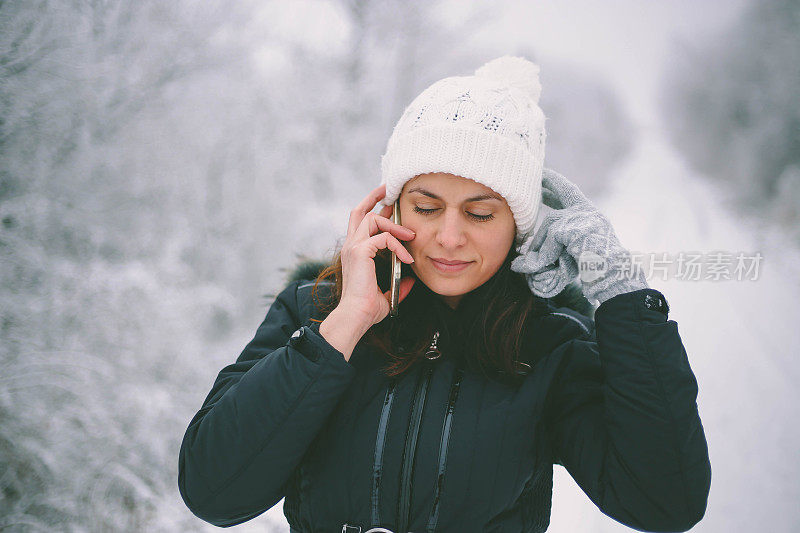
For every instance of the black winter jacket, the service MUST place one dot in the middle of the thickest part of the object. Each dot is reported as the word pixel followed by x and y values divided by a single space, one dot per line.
pixel 446 449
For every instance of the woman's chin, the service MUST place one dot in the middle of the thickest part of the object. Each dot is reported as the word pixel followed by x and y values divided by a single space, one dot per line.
pixel 446 286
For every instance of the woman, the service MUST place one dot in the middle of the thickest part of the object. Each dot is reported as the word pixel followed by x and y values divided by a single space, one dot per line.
pixel 450 416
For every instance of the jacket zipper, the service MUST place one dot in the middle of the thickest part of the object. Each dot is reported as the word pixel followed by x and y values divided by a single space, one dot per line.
pixel 407 468
pixel 443 448
pixel 380 443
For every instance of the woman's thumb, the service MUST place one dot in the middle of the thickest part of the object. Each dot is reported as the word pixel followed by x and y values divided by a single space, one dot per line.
pixel 405 287
pixel 406 284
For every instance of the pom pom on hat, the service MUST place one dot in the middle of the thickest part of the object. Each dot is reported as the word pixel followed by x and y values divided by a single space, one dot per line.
pixel 515 71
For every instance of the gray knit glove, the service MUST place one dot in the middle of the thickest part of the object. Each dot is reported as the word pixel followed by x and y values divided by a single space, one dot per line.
pixel 576 233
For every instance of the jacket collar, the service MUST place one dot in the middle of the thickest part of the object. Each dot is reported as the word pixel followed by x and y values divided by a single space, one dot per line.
pixel 467 306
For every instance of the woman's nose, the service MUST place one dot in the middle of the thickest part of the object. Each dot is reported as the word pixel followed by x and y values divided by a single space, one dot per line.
pixel 451 229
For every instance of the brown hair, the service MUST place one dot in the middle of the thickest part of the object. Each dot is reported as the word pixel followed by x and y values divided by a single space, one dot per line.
pixel 494 343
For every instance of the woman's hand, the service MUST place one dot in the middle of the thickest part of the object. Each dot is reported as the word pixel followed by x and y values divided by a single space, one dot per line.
pixel 367 233
pixel 576 233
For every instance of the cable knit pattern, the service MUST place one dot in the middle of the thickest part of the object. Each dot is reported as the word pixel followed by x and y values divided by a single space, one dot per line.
pixel 576 233
pixel 487 128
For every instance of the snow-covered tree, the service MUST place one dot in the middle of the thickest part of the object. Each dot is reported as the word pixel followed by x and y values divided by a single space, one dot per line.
pixel 730 106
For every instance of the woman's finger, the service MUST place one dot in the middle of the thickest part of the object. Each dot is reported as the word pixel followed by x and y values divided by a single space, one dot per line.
pixel 386 211
pixel 397 247
pixel 375 223
pixel 547 255
pixel 544 230
pixel 387 240
pixel 367 204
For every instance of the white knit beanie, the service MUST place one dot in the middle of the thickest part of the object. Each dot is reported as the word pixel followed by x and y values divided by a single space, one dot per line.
pixel 487 127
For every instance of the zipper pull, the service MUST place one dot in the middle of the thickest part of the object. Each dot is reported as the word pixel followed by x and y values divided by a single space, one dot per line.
pixel 433 351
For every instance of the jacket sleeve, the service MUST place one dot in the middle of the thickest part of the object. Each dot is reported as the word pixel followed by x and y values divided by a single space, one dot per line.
pixel 623 418
pixel 260 417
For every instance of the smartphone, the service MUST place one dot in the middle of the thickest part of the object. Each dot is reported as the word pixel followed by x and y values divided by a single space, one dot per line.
pixel 396 265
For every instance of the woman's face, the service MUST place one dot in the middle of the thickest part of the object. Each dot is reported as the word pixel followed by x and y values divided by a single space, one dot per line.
pixel 457 219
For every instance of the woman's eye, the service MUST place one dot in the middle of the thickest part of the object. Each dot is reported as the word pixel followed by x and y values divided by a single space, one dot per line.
pixel 481 218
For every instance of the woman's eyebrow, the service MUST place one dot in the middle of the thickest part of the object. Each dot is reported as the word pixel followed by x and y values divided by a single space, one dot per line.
pixel 487 196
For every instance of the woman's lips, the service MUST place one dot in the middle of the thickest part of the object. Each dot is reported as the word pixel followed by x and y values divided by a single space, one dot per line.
pixel 442 267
